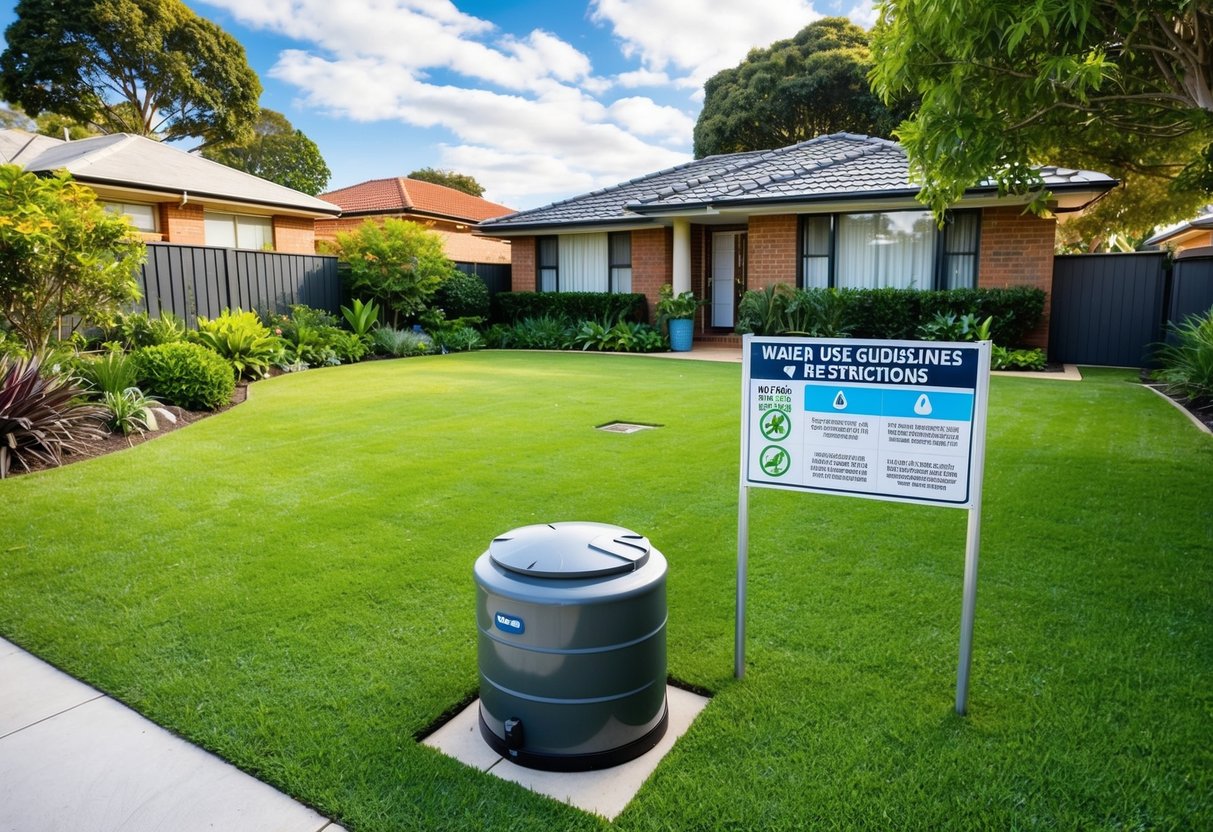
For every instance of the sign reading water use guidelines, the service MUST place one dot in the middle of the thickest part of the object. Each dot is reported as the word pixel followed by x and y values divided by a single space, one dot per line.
pixel 888 420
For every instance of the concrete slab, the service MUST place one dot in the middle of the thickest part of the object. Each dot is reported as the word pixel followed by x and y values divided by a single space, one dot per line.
pixel 102 767
pixel 31 690
pixel 606 792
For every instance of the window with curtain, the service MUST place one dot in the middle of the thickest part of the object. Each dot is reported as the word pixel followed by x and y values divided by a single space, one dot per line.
pixel 959 267
pixel 238 230
pixel 815 246
pixel 547 263
pixel 894 249
pixel 620 245
pixel 583 263
pixel 141 215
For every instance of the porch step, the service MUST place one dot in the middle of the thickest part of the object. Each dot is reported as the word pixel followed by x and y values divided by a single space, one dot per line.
pixel 730 339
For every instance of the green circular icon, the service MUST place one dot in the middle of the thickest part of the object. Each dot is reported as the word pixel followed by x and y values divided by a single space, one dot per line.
pixel 775 425
pixel 774 461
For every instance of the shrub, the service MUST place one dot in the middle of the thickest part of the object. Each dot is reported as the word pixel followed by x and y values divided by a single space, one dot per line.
pixel 401 343
pixel 462 295
pixel 784 310
pixel 946 326
pixel 1002 358
pixel 136 329
pixel 362 318
pixel 110 373
pixel 41 417
pixel 1187 362
pixel 132 410
pixel 242 340
pixel 459 339
pixel 187 375
pixel 398 263
pixel 513 307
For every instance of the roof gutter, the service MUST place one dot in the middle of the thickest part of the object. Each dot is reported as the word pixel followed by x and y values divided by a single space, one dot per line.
pixel 319 213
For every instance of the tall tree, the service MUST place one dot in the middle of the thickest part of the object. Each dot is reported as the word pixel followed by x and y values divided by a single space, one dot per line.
pixel 150 67
pixel 449 178
pixel 12 117
pixel 1125 86
pixel 278 152
pixel 813 83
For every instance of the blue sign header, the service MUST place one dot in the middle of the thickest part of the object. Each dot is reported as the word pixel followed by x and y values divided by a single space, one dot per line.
pixel 916 364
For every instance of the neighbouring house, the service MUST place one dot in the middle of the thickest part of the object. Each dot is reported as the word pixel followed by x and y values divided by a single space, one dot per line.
pixel 1189 234
pixel 833 211
pixel 173 196
pixel 451 214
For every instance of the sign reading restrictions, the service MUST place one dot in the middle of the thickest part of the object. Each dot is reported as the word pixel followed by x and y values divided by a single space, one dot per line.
pixel 890 420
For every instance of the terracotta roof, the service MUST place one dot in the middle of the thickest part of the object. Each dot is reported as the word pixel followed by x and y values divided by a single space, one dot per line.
pixel 404 195
pixel 467 248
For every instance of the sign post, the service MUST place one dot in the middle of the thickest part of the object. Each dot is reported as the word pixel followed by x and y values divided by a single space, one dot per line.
pixel 903 421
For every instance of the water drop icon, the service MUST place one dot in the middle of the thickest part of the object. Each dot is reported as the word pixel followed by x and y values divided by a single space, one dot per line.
pixel 840 401
pixel 923 406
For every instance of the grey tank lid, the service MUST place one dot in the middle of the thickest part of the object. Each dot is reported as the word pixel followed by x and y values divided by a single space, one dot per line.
pixel 570 550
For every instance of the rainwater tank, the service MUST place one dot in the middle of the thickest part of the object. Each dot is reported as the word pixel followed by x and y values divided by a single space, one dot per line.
pixel 571 648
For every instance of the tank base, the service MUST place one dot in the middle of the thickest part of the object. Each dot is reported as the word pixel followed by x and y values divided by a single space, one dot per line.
pixel 578 762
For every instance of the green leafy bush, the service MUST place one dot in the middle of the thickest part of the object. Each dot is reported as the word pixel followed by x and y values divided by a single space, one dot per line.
pixel 1002 358
pixel 242 340
pixel 398 263
pixel 41 417
pixel 137 329
pixel 362 318
pixel 946 326
pixel 887 313
pixel 1187 362
pixel 462 295
pixel 111 372
pixel 184 374
pixel 401 343
pixel 458 339
pixel 512 307
pixel 131 410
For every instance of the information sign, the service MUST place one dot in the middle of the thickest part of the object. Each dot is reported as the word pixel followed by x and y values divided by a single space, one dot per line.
pixel 887 420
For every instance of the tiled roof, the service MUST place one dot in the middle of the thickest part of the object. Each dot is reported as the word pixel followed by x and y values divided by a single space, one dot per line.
pixel 1202 220
pixel 141 163
pixel 18 146
pixel 838 166
pixel 399 194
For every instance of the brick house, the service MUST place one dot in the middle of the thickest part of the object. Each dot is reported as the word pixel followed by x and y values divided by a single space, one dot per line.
pixel 833 211
pixel 447 212
pixel 176 197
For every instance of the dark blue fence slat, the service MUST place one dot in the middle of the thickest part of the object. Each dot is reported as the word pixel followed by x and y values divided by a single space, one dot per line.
pixel 1107 309
pixel 198 280
pixel 1191 288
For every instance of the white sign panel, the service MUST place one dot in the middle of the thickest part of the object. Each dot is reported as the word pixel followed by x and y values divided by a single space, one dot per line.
pixel 889 420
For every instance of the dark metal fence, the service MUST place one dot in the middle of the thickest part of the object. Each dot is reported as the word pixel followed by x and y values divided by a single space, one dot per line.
pixel 496 276
pixel 199 280
pixel 1107 308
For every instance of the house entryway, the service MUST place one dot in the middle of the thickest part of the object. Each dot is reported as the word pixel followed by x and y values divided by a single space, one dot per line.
pixel 727 278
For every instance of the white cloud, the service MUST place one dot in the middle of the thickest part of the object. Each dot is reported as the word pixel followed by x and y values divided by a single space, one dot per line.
pixel 645 118
pixel 698 39
pixel 864 14
pixel 642 78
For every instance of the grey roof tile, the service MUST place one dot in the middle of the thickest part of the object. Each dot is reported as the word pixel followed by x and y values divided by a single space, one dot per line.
pixel 841 165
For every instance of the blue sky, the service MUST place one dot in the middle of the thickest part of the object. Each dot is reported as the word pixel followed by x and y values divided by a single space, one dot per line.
pixel 538 100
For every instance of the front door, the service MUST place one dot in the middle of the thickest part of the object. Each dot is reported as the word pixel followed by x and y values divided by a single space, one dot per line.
pixel 728 276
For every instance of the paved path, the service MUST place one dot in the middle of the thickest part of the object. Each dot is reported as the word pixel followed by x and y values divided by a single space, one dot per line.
pixel 75 760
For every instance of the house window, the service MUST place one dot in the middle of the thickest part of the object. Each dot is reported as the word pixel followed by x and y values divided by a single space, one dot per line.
pixel 620 245
pixel 547 261
pixel 584 263
pixel 238 231
pixel 817 245
pixel 889 249
pixel 141 215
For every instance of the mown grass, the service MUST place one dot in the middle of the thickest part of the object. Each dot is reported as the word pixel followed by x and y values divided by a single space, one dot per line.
pixel 289 585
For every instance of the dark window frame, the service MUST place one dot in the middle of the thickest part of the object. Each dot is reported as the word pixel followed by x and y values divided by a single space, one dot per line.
pixel 942 254
pixel 612 265
pixel 541 266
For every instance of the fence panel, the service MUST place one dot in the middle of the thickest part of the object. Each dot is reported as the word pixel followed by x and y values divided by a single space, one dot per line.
pixel 1192 287
pixel 496 276
pixel 199 280
pixel 1107 309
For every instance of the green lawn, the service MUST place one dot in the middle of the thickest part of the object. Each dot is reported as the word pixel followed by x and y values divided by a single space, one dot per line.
pixel 289 584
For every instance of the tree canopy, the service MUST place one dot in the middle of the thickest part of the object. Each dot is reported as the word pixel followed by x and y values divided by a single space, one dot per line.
pixel 1122 86
pixel 398 263
pixel 813 83
pixel 278 152
pixel 150 67
pixel 449 178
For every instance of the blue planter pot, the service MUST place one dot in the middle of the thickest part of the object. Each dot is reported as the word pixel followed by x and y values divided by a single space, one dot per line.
pixel 680 334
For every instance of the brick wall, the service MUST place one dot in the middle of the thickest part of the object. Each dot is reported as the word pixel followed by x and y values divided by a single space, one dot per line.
pixel 522 268
pixel 1017 250
pixel 294 235
pixel 652 263
pixel 182 224
pixel 772 251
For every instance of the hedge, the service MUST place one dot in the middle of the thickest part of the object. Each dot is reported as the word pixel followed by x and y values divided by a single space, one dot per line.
pixel 513 307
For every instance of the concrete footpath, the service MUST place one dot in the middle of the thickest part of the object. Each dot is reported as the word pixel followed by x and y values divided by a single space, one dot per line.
pixel 74 760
